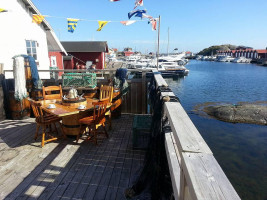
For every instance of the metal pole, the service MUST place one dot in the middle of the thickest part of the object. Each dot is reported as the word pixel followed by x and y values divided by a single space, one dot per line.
pixel 168 41
pixel 158 45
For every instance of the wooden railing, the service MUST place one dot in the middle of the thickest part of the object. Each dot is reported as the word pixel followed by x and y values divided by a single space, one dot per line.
pixel 195 173
pixel 133 102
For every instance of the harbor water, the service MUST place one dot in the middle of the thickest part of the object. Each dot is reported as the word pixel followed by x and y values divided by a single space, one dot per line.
pixel 240 149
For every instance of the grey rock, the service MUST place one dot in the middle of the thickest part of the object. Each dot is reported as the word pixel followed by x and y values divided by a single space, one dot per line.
pixel 243 113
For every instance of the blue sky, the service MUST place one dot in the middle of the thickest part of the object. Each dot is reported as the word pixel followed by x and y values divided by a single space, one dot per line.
pixel 193 24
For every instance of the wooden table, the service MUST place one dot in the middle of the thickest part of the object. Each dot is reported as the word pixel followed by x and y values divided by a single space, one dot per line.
pixel 70 116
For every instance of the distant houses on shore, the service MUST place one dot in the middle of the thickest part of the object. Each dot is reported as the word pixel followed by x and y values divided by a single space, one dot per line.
pixel 246 52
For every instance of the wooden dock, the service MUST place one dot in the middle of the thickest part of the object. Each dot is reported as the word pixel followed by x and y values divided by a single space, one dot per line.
pixel 63 169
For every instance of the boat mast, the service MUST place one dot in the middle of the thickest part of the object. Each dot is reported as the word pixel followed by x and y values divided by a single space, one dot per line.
pixel 168 40
pixel 158 45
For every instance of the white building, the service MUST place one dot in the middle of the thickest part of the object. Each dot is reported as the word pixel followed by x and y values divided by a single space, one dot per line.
pixel 19 35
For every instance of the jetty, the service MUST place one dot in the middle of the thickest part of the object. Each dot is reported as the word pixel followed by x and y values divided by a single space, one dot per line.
pixel 175 155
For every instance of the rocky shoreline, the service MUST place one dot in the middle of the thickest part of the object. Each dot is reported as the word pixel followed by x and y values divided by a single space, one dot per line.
pixel 253 113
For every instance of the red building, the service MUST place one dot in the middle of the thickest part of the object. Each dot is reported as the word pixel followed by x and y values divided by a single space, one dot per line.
pixel 55 53
pixel 83 51
pixel 248 53
pixel 128 53
pixel 56 60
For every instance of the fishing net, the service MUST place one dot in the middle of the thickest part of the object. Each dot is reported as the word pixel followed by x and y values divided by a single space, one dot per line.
pixel 19 77
pixel 154 181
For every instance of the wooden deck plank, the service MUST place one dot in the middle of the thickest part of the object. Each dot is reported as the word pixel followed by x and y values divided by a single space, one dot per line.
pixel 52 170
pixel 35 168
pixel 111 193
pixel 120 194
pixel 64 170
pixel 100 192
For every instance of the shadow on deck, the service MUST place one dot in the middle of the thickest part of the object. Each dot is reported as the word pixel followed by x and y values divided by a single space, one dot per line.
pixel 64 170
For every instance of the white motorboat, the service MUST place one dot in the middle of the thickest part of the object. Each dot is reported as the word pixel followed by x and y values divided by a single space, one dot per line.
pixel 225 59
pixel 242 60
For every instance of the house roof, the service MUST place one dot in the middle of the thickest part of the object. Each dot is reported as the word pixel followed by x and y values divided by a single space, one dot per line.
pixel 261 51
pixel 52 41
pixel 85 46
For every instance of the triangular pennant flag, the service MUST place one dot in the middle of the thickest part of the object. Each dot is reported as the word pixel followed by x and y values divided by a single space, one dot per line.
pixel 138 3
pixel 154 24
pixel 2 10
pixel 136 13
pixel 37 18
pixel 146 16
pixel 72 24
pixel 129 22
pixel 101 25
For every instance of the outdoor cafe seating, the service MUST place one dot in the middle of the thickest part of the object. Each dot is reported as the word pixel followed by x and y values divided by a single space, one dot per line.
pixel 75 113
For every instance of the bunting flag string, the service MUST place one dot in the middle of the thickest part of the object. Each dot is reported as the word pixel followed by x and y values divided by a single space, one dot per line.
pixel 72 24
pixel 2 10
pixel 101 25
pixel 37 18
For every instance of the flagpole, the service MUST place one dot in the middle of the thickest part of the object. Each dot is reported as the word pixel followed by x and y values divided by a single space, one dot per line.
pixel 158 45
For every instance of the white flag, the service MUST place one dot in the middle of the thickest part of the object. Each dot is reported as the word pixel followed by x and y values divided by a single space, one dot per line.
pixel 129 22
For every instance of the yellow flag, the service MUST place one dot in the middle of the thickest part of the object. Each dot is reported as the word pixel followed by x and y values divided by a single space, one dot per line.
pixel 37 18
pixel 101 25
pixel 2 10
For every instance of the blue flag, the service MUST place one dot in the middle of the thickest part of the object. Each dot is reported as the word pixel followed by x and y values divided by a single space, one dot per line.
pixel 136 13
pixel 72 23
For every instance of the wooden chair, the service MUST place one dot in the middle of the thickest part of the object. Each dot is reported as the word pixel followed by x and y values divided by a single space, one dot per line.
pixel 45 121
pixel 48 92
pixel 106 93
pixel 94 122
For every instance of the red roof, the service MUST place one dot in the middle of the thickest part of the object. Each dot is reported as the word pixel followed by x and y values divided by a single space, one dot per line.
pixel 261 51
pixel 247 50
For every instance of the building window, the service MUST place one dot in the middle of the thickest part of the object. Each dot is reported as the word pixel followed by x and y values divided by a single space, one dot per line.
pixel 31 48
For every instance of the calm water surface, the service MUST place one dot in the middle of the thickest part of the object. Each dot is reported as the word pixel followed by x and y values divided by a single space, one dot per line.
pixel 240 149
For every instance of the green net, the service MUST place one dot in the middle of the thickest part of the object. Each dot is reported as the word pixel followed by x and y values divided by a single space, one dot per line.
pixel 79 80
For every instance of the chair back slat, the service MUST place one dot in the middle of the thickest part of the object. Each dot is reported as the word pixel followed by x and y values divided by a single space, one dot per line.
pixel 100 110
pixel 47 92
pixel 106 93
pixel 36 108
